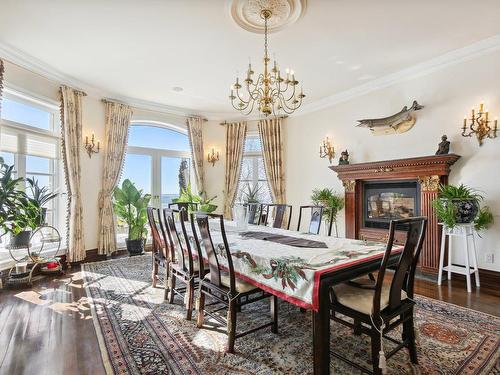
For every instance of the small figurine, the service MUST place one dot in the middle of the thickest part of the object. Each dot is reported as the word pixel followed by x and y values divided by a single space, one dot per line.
pixel 344 158
pixel 444 146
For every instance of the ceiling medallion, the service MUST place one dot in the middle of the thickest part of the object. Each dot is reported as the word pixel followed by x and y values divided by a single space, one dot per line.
pixel 273 93
pixel 247 13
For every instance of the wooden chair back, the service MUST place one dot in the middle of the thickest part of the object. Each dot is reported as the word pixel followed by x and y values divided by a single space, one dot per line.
pixel 404 274
pixel 315 221
pixel 177 253
pixel 187 206
pixel 157 230
pixel 278 215
pixel 214 253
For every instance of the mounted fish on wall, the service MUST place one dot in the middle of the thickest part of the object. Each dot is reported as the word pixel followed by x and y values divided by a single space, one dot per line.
pixel 398 123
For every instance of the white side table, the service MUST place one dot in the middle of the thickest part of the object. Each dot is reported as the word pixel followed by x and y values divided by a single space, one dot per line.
pixel 465 231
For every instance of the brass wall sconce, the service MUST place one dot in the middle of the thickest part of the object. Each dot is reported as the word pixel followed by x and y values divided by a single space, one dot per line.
pixel 213 157
pixel 479 125
pixel 90 146
pixel 326 150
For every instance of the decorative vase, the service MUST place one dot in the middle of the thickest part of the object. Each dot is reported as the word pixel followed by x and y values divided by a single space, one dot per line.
pixel 135 247
pixel 465 210
pixel 20 240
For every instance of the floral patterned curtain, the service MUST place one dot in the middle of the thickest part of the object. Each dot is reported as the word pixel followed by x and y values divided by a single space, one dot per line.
pixel 271 136
pixel 235 142
pixel 195 132
pixel 117 121
pixel 71 134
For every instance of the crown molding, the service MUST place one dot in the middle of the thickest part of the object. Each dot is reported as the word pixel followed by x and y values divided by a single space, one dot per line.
pixel 483 47
pixel 454 57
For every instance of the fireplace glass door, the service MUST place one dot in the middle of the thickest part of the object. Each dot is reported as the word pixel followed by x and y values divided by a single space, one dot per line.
pixel 388 200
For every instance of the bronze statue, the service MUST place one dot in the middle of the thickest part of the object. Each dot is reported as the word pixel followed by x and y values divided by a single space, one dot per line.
pixel 444 146
pixel 344 158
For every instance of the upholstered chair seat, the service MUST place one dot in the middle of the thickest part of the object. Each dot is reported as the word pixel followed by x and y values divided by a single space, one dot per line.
pixel 241 286
pixel 361 299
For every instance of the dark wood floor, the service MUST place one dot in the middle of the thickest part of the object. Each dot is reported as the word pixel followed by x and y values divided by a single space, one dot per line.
pixel 48 330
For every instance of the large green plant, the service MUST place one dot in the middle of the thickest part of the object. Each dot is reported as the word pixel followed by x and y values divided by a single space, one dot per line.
pixel 18 212
pixel 204 204
pixel 251 193
pixel 446 211
pixel 40 194
pixel 130 206
pixel 329 199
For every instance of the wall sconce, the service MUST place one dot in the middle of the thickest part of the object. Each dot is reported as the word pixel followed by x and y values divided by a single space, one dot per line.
pixel 90 147
pixel 326 149
pixel 479 125
pixel 213 157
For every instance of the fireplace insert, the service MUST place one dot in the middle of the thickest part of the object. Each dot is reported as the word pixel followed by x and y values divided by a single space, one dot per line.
pixel 384 201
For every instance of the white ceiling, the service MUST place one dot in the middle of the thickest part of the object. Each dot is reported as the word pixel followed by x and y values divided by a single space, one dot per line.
pixel 142 49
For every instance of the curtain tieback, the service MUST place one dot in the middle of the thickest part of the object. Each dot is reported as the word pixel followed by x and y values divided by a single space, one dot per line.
pixel 102 196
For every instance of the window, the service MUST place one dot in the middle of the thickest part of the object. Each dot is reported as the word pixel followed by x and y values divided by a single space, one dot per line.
pixel 29 140
pixel 253 186
pixel 158 161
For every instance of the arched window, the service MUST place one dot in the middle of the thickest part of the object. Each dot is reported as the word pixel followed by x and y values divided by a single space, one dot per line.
pixel 157 161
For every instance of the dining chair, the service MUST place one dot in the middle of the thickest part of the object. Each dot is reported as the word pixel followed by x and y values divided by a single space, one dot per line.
pixel 184 265
pixel 159 253
pixel 278 214
pixel 187 206
pixel 379 308
pixel 331 223
pixel 315 221
pixel 221 283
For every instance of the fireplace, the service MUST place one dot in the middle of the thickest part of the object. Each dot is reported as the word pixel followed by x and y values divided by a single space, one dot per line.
pixel 384 201
pixel 376 192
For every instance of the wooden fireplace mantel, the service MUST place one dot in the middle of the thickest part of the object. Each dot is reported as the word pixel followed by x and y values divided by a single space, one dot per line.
pixel 428 171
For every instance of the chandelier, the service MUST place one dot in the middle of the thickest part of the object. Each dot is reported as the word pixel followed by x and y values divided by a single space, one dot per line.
pixel 272 93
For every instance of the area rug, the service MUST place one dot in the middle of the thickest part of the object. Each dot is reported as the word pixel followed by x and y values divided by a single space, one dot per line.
pixel 139 333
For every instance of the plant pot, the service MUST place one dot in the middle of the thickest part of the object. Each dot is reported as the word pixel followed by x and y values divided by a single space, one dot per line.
pixel 135 247
pixel 465 210
pixel 20 240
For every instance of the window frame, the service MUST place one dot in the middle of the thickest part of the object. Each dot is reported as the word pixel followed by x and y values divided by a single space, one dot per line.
pixel 254 156
pixel 23 131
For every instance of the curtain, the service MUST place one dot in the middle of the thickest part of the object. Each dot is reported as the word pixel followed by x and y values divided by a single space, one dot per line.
pixel 271 136
pixel 117 121
pixel 71 134
pixel 235 142
pixel 1 85
pixel 195 132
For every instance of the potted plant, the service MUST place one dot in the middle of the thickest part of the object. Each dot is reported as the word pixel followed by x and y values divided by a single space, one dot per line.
pixel 19 214
pixel 41 195
pixel 27 216
pixel 461 205
pixel 8 196
pixel 130 205
pixel 330 200
pixel 204 204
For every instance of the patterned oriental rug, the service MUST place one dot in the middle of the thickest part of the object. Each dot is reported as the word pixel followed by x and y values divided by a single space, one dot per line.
pixel 140 334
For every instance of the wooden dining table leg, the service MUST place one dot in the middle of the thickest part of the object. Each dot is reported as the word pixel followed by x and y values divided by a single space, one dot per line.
pixel 321 332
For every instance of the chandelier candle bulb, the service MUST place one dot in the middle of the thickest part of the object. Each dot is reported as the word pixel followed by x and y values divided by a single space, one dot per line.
pixel 481 107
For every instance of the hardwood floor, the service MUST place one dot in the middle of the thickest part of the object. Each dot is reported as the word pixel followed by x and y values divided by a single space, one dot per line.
pixel 48 330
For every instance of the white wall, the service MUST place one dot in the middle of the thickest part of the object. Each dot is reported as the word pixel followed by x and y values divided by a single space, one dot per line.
pixel 93 122
pixel 447 95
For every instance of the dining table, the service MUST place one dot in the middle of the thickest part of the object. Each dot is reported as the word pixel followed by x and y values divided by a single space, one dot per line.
pixel 300 268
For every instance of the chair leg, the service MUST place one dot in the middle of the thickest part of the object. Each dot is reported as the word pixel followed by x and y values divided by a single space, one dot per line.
pixel 166 287
pixel 375 343
pixel 231 326
pixel 409 335
pixel 200 306
pixel 154 274
pixel 171 287
pixel 274 314
pixel 190 297
pixel 357 327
